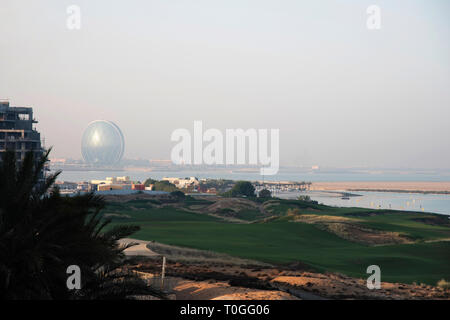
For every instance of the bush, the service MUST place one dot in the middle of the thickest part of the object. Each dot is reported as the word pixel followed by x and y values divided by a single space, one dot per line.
pixel 242 189
pixel 304 198
pixel 162 185
pixel 443 284
pixel 178 194
pixel 292 212
pixel 264 193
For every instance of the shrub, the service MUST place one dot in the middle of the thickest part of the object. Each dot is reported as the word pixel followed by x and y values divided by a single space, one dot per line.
pixel 304 198
pixel 162 185
pixel 443 284
pixel 292 212
pixel 264 193
pixel 178 194
pixel 243 188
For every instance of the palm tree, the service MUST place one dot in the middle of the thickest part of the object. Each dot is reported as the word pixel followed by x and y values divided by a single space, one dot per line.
pixel 42 233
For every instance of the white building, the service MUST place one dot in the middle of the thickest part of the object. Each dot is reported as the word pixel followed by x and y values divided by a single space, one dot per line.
pixel 183 183
pixel 113 180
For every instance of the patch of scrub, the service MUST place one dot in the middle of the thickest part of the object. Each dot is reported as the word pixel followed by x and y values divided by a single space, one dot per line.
pixel 349 229
pixel 314 218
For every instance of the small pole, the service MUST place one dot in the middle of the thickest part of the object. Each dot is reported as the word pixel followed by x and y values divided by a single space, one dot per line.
pixel 163 272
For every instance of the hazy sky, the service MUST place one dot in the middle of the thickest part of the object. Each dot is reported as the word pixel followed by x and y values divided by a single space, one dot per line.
pixel 341 95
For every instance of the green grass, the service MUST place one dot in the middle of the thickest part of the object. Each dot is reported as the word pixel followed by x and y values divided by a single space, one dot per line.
pixel 281 241
pixel 249 215
pixel 167 214
pixel 405 224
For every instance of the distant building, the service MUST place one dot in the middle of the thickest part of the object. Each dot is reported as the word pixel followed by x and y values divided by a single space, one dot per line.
pixel 184 183
pixel 113 183
pixel 106 187
pixel 17 132
pixel 140 187
pixel 113 180
pixel 102 143
pixel 211 190
pixel 85 186
pixel 66 185
pixel 58 160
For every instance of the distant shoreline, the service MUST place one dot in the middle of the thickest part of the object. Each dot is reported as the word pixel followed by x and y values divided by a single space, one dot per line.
pixel 387 186
pixel 401 191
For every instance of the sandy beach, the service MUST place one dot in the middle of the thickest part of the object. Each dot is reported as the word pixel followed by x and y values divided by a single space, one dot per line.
pixel 416 186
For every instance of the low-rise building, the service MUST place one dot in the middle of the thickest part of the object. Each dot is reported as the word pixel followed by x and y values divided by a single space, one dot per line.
pixel 85 186
pixel 184 183
pixel 140 187
pixel 66 185
pixel 106 187
pixel 112 180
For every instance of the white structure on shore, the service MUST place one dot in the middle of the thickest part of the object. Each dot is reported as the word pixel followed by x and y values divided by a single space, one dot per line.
pixel 183 183
pixel 112 180
pixel 113 183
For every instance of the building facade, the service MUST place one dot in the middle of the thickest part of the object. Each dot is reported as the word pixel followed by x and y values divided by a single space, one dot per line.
pixel 184 183
pixel 17 132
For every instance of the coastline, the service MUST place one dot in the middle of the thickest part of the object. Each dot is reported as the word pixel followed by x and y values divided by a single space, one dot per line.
pixel 427 187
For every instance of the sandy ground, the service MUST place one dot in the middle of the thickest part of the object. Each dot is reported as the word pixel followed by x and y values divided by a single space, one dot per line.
pixel 219 290
pixel 204 275
pixel 138 250
pixel 209 281
pixel 380 185
pixel 183 289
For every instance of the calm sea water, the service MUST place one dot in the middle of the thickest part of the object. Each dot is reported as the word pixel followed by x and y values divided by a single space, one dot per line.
pixel 381 200
pixel 398 201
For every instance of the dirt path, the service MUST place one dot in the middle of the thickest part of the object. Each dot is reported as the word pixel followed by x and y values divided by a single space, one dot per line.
pixel 138 250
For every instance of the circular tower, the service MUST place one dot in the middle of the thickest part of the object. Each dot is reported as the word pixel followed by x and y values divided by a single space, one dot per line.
pixel 102 143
